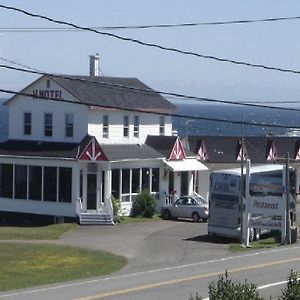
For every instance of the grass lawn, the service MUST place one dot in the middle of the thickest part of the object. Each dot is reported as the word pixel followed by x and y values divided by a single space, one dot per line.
pixel 260 244
pixel 26 265
pixel 50 232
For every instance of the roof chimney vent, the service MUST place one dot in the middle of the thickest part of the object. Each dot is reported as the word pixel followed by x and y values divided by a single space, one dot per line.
pixel 94 65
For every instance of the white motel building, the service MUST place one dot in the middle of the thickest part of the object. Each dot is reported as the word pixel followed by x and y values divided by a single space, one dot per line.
pixel 74 141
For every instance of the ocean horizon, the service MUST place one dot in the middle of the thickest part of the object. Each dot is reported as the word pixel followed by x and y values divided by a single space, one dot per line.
pixel 203 126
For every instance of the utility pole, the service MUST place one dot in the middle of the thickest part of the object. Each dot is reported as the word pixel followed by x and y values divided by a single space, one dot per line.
pixel 242 185
pixel 287 187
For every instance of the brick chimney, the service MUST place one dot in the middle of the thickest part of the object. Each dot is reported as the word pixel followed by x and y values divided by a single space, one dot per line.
pixel 94 65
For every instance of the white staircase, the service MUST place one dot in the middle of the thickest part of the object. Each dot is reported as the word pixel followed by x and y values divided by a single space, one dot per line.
pixel 95 218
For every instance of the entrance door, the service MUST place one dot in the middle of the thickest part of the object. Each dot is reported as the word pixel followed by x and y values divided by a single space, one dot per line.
pixel 184 186
pixel 91 191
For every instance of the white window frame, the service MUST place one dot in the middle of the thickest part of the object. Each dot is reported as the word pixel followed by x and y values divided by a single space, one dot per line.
pixel 69 126
pixel 126 126
pixel 105 126
pixel 25 124
pixel 162 125
pixel 45 125
pixel 136 126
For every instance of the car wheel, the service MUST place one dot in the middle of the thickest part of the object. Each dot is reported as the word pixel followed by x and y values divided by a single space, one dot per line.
pixel 256 235
pixel 166 214
pixel 195 217
pixel 204 220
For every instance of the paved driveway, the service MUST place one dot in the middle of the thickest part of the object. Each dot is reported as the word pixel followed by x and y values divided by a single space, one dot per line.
pixel 149 245
pixel 152 245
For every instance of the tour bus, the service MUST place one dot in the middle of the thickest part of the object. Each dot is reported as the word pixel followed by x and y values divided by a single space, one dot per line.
pixel 225 197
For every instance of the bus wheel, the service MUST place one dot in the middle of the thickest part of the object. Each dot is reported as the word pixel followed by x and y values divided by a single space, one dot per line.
pixel 195 217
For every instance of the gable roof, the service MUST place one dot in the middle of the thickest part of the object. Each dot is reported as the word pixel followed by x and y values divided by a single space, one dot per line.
pixel 128 93
pixel 115 92
pixel 161 143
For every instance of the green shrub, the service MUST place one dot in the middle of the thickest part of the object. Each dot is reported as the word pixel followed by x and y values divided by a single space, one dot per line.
pixel 292 291
pixel 144 205
pixel 116 205
pixel 226 289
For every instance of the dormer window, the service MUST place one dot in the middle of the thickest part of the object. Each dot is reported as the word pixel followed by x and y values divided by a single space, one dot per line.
pixel 48 124
pixel 27 123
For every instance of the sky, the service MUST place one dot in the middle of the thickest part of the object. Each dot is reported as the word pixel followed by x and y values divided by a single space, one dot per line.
pixel 274 44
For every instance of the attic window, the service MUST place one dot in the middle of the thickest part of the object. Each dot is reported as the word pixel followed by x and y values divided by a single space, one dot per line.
pixel 48 83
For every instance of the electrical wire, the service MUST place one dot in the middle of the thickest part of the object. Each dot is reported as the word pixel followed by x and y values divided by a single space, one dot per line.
pixel 149 112
pixel 143 90
pixel 151 26
pixel 153 45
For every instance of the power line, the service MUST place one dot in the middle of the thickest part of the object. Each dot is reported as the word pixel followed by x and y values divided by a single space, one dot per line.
pixel 248 123
pixel 143 90
pixel 249 102
pixel 189 24
pixel 153 45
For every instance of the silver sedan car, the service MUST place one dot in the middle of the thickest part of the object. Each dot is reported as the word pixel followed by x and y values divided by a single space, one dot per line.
pixel 192 207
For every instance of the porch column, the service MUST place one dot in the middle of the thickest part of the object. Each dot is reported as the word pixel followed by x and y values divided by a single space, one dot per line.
pixel 190 183
pixel 76 187
pixel 177 183
pixel 107 188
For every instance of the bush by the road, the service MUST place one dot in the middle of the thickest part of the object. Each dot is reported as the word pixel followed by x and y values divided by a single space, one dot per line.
pixel 292 291
pixel 226 289
pixel 144 205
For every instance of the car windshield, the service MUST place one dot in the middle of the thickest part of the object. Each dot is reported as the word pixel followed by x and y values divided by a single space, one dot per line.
pixel 201 200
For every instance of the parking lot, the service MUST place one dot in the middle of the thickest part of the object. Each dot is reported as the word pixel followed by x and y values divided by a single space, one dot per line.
pixel 150 245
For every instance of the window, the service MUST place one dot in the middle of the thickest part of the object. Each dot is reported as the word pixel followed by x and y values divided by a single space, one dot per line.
pixel 20 182
pixel 115 183
pixel 48 83
pixel 27 123
pixel 6 180
pixel 35 183
pixel 125 183
pixel 155 180
pixel 105 127
pixel 48 124
pixel 136 126
pixel 69 125
pixel 65 185
pixel 145 178
pixel 126 126
pixel 161 125
pixel 50 184
pixel 135 180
